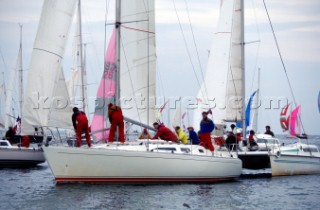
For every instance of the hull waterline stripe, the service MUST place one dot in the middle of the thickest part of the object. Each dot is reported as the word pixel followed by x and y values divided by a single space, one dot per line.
pixel 145 180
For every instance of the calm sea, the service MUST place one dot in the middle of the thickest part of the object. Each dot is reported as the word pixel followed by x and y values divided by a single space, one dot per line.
pixel 35 189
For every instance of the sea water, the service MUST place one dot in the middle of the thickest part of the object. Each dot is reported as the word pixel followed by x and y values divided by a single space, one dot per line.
pixel 35 188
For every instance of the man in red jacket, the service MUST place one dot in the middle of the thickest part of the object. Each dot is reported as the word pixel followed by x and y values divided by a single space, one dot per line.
pixel 116 120
pixel 80 124
pixel 164 133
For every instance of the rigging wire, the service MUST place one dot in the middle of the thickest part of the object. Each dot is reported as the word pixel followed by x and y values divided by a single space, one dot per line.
pixel 282 62
pixel 195 45
pixel 188 52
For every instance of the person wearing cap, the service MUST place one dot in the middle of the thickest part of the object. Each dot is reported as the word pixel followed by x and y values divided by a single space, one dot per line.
pixel 182 136
pixel 193 136
pixel 80 124
pixel 145 134
pixel 164 133
pixel 116 120
pixel 206 127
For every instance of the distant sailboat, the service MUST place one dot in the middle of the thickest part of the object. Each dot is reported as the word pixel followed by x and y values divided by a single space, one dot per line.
pixel 46 100
pixel 291 122
pixel 296 158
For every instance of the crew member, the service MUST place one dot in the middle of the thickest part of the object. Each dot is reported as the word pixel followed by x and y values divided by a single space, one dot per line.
pixel 268 131
pixel 231 141
pixel 206 127
pixel 252 139
pixel 182 136
pixel 80 124
pixel 145 134
pixel 116 120
pixel 25 141
pixel 193 136
pixel 10 134
pixel 164 133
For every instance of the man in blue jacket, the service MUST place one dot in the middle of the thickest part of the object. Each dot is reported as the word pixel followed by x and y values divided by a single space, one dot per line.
pixel 193 136
pixel 206 127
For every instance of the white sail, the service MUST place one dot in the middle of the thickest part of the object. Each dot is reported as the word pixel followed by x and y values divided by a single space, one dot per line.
pixel 223 79
pixel 138 60
pixel 46 61
pixel 73 84
pixel 61 111
pixel 176 121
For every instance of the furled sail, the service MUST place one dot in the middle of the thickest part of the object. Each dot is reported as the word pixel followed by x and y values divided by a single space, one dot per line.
pixel 46 61
pixel 106 92
pixel 294 122
pixel 138 60
pixel 223 79
pixel 284 118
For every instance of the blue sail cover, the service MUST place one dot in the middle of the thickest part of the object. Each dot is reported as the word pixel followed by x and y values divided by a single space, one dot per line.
pixel 248 110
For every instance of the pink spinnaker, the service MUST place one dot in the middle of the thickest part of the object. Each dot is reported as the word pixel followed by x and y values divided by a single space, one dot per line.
pixel 294 122
pixel 105 93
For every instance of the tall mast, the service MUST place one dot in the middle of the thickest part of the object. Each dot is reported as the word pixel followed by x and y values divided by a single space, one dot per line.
pixel 118 53
pixel 83 70
pixel 244 126
pixel 20 70
pixel 84 84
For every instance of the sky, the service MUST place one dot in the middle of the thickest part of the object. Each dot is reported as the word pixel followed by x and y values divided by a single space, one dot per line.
pixel 296 24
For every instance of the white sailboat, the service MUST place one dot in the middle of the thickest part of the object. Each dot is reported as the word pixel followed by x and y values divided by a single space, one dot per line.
pixel 142 161
pixel 16 155
pixel 46 97
pixel 296 158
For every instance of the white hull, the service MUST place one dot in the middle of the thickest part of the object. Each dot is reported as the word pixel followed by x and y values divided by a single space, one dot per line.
pixel 114 165
pixel 20 157
pixel 287 164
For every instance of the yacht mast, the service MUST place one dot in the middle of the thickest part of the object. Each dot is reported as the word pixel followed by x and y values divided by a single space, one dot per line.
pixel 20 70
pixel 244 126
pixel 83 70
pixel 118 48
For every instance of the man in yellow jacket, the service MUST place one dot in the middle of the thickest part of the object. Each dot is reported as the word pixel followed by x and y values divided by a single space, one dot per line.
pixel 182 136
